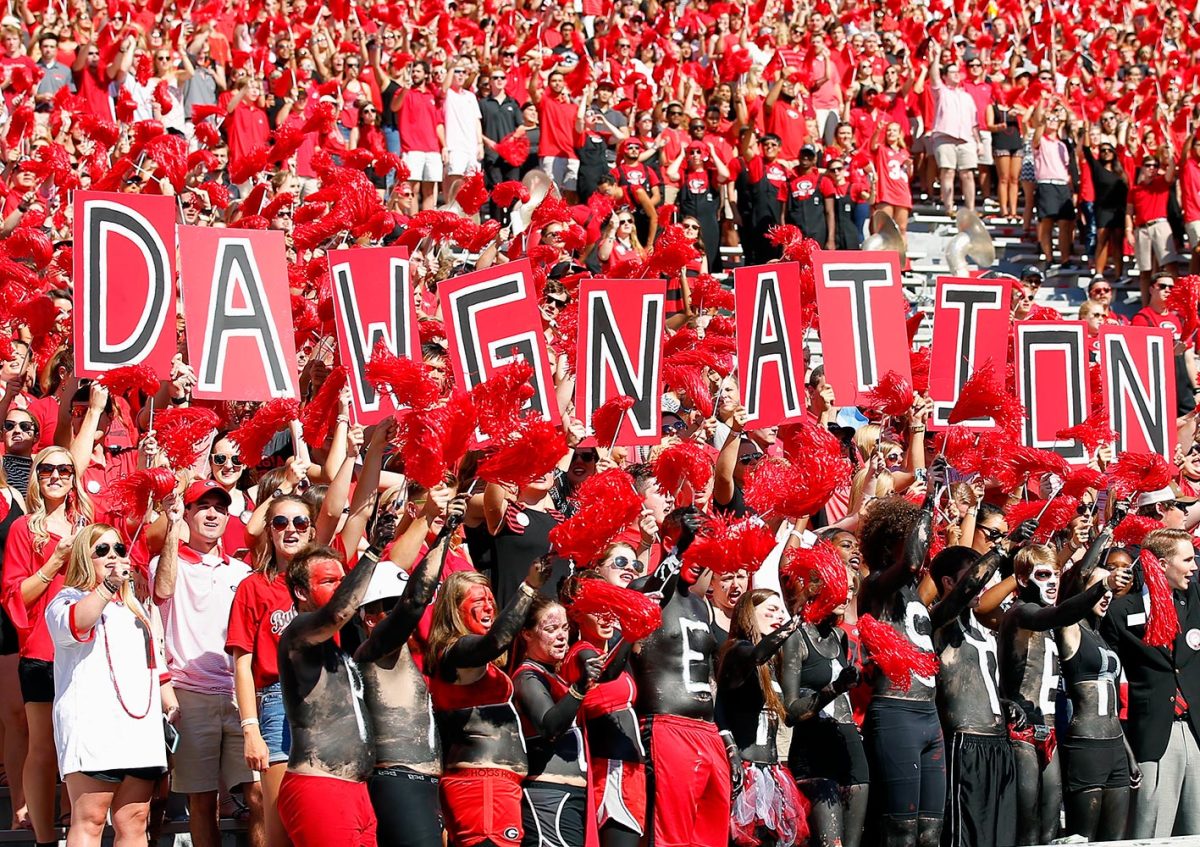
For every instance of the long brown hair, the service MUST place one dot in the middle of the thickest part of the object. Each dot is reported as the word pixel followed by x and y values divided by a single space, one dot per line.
pixel 266 560
pixel 743 626
pixel 79 505
pixel 448 625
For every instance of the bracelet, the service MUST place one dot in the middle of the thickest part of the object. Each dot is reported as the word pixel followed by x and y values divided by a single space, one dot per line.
pixel 104 591
pixel 527 589
pixel 249 722
pixel 177 401
pixel 916 429
pixel 343 419
pixel 42 576
pixel 571 690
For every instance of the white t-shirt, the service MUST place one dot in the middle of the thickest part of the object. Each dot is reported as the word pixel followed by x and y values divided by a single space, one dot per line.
pixel 196 620
pixel 463 121
pixel 100 724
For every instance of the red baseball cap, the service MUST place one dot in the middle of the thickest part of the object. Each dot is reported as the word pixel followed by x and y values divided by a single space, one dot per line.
pixel 201 487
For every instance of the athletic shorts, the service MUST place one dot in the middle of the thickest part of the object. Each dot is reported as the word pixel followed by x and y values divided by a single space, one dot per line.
pixel 981 800
pixel 1154 242
pixel 825 749
pixel 689 783
pixel 461 162
pixel 1054 202
pixel 423 166
pixel 908 760
pixel 620 789
pixel 407 807
pixel 481 804
pixel 952 154
pixel 1093 763
pixel 553 815
pixel 1192 229
pixel 211 750
pixel 116 776
pixel 322 811
pixel 564 171
pixel 37 680
pixel 273 724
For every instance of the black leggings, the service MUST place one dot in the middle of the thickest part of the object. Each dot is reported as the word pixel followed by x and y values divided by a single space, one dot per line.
pixel 553 815
pixel 1039 795
pixel 908 762
pixel 407 807
pixel 613 834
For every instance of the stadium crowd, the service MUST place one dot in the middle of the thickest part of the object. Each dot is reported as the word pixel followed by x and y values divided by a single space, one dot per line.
pixel 846 630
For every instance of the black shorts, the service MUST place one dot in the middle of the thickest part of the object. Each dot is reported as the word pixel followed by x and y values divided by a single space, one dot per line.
pixel 118 775
pixel 908 757
pixel 1054 202
pixel 553 814
pixel 1089 763
pixel 407 807
pixel 981 796
pixel 37 680
pixel 825 749
pixel 1109 218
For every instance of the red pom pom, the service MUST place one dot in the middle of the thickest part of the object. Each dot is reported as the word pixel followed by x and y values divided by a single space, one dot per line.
pixel 501 399
pixel 686 461
pixel 801 440
pixel 513 148
pixel 1056 516
pixel 420 438
pixel 318 414
pixel 1093 433
pixel 795 489
pixel 504 194
pixel 409 382
pixel 919 365
pixel 894 655
pixel 606 421
pixel 472 193
pixel 125 380
pixel 820 572
pixel 1028 461
pixel 637 614
pixel 162 97
pixel 607 503
pixel 708 293
pixel 1184 301
pixel 1133 529
pixel 202 111
pixel 253 435
pixel 529 456
pixel 1137 473
pixel 458 419
pixel 1083 479
pixel 1163 625
pixel 143 69
pixel 180 431
pixel 981 396
pixel 672 251
pixel 132 495
pixel 727 547
pixel 892 395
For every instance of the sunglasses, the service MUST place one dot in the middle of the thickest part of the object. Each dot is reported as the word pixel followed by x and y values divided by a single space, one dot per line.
pixel 380 607
pixel 624 563
pixel 587 458
pixel 24 426
pixel 556 305
pixel 624 221
pixel 691 228
pixel 555 233
pixel 673 428
pixel 45 470
pixel 1102 289
pixel 1175 504
pixel 279 523
pixel 674 112
pixel 991 534
pixel 103 550
pixel 1162 287
pixel 499 77
pixel 220 459
pixel 749 458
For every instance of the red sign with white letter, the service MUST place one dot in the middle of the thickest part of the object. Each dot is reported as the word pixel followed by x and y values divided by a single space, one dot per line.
pixel 1051 363
pixel 770 343
pixel 124 282
pixel 970 326
pixel 862 311
pixel 372 300
pixel 491 318
pixel 238 307
pixel 620 352
pixel 1137 372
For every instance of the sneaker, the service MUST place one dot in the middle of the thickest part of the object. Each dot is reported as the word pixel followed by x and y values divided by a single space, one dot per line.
pixel 989 203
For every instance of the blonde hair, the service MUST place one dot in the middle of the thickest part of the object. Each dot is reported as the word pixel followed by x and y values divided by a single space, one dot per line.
pixel 78 504
pixel 81 570
pixel 1090 308
pixel 448 625
pixel 1032 555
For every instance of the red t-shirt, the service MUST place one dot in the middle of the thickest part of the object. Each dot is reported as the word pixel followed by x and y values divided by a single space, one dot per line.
pixel 21 559
pixel 261 611
pixel 418 120
pixel 892 186
pixel 1165 320
pixel 247 128
pixel 92 85
pixel 1189 184
pixel 787 121
pixel 1148 201
pixel 805 185
pixel 557 119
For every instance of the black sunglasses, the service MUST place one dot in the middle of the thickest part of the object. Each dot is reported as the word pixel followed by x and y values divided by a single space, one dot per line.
pixel 749 458
pixel 587 457
pixel 991 534
pixel 24 426
pixel 220 459
pixel 46 469
pixel 279 523
pixel 624 563
pixel 102 550
pixel 380 607
pixel 672 428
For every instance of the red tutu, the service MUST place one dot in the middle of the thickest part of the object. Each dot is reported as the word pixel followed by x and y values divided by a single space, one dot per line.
pixel 770 800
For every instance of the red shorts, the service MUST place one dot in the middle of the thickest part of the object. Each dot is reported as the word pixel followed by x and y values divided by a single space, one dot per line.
pixel 691 784
pixel 306 808
pixel 481 804
pixel 1043 739
pixel 620 793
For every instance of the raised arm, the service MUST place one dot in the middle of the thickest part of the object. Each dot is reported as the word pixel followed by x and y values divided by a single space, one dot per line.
pixel 741 663
pixel 168 557
pixel 475 651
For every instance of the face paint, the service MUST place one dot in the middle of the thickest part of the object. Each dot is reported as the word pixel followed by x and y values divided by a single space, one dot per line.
pixel 478 609
pixel 1045 580
pixel 323 579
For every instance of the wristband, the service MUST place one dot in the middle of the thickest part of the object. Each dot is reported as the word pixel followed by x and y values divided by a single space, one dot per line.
pixel 42 576
pixel 249 722
pixel 916 429
pixel 527 589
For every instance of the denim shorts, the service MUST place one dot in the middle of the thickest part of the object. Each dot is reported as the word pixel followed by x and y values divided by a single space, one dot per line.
pixel 273 725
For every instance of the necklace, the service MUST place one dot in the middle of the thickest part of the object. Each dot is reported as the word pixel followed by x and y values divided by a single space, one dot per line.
pixel 112 675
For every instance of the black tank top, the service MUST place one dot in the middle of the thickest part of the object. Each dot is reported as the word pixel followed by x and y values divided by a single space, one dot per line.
pixel 819 670
pixel 1091 677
